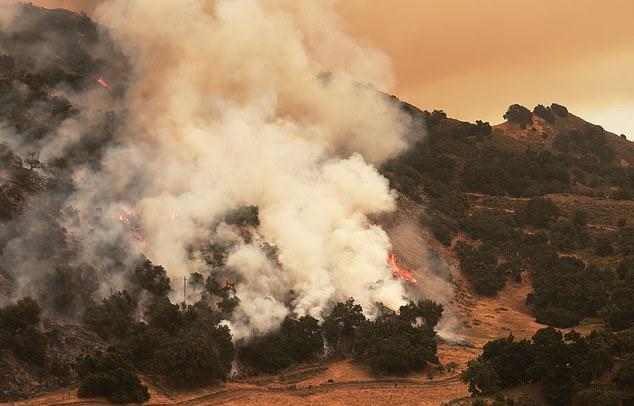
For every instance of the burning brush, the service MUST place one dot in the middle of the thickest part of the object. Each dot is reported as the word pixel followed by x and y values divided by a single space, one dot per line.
pixel 398 271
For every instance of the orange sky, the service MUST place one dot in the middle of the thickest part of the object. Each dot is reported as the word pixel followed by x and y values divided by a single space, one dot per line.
pixel 473 58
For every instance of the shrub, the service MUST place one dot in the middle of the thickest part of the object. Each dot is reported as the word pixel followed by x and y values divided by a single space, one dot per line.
pixel 112 376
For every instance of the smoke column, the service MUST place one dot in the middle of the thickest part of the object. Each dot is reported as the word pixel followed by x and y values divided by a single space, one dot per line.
pixel 251 102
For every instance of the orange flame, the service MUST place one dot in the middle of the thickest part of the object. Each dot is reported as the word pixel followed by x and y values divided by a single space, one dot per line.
pixel 398 271
pixel 103 82
pixel 133 221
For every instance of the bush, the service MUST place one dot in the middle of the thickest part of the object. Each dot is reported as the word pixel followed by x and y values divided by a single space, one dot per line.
pixel 519 115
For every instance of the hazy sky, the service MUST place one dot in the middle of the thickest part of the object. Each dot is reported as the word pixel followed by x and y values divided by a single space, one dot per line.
pixel 473 58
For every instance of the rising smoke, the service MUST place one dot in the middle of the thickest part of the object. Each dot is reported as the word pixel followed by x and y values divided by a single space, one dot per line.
pixel 237 103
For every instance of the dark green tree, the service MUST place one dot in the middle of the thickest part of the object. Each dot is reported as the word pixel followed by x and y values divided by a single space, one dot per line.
pixel 110 375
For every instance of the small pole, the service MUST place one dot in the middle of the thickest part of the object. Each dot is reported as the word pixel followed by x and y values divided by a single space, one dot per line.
pixel 185 290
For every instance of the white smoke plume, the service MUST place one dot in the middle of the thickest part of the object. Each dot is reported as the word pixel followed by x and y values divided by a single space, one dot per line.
pixel 251 102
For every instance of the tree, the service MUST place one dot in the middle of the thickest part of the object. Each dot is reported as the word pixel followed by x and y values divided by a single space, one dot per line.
pixel 540 212
pixel 481 377
pixel 393 345
pixel 18 331
pixel 112 376
pixel 296 341
pixel 604 247
pixel 519 115
pixel 552 365
pixel 302 338
pixel 559 110
pixel 624 376
pixel 427 310
pixel 342 321
pixel 164 315
pixel 265 353
pixel 598 395
pixel 545 113
pixel 580 218
pixel 113 317
pixel 511 359
pixel 480 267
pixel 152 278
pixel 191 361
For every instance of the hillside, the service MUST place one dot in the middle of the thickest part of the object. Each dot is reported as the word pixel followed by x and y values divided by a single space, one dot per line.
pixel 506 229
